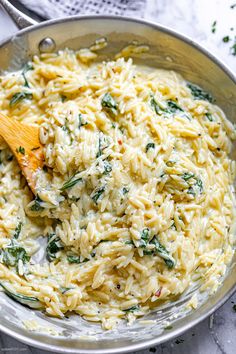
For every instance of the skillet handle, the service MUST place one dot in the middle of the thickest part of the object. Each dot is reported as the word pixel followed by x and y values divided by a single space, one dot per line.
pixel 20 19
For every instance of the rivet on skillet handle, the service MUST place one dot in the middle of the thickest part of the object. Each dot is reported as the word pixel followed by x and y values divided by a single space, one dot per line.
pixel 47 45
pixel 20 19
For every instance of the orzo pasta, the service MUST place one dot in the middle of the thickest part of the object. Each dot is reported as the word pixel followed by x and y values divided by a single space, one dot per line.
pixel 136 199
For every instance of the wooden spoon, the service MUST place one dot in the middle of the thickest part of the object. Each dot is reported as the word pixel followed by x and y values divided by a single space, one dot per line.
pixel 24 142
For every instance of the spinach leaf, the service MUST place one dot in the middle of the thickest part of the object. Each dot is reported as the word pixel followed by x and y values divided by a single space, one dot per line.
pixel 173 107
pixel 107 168
pixel 30 301
pixel 132 309
pixel 99 153
pixel 11 255
pixel 199 94
pixel 19 96
pixel 150 146
pixel 54 245
pixel 81 121
pixel 109 103
pixel 63 290
pixel 196 188
pixel 163 253
pixel 97 194
pixel 209 117
pixel 37 204
pixel 63 98
pixel 27 67
pixel 155 105
pixel 187 175
pixel 18 230
pixel 144 237
pixel 125 190
pixel 70 183
pixel 73 258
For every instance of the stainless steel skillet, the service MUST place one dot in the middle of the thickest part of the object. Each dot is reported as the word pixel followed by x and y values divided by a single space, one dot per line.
pixel 169 50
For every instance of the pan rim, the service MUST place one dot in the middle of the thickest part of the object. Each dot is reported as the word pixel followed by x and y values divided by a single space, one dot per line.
pixel 173 333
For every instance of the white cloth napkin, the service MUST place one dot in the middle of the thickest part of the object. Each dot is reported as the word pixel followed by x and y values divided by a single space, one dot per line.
pixel 61 8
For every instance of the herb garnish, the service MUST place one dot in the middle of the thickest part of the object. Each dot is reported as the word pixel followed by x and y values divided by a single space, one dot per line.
pixel 19 96
pixel 198 93
pixel 21 150
pixel 213 27
pixel 109 103
pixel 226 39
pixel 54 245
pixel 150 146
pixel 233 48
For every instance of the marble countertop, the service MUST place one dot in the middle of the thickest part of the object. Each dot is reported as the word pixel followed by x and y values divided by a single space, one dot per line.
pixel 194 18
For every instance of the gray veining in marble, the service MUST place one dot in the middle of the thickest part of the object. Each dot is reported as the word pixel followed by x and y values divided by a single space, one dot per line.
pixel 194 18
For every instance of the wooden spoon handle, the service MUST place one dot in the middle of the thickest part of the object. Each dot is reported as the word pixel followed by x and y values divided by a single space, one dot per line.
pixel 24 142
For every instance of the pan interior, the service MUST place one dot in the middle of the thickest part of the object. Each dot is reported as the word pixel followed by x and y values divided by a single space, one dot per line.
pixel 165 51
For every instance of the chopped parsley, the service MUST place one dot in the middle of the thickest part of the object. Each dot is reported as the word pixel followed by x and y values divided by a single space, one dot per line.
pixel 233 49
pixel 198 93
pixel 226 39
pixel 19 96
pixel 21 150
pixel 54 245
pixel 213 27
pixel 150 146
pixel 109 103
